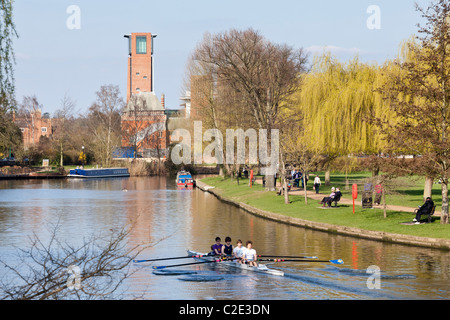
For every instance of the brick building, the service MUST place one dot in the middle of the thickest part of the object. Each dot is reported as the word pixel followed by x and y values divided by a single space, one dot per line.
pixel 33 125
pixel 144 117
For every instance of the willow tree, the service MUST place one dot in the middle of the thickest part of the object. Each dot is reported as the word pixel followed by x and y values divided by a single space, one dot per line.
pixel 419 96
pixel 9 132
pixel 337 101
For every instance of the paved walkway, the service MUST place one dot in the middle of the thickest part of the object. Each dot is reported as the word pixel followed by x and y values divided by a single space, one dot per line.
pixel 312 195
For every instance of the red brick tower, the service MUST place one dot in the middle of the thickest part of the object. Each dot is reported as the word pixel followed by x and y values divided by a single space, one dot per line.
pixel 140 63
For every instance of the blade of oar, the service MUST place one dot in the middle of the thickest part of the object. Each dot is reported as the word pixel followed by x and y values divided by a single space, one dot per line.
pixel 287 257
pixel 171 258
pixel 336 261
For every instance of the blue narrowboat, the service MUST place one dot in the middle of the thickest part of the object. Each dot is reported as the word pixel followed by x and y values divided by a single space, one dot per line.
pixel 99 173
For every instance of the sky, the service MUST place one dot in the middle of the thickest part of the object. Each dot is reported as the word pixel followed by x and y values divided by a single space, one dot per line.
pixel 54 58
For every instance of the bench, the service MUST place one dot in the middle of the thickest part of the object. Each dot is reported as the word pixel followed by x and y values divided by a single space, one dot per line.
pixel 336 198
pixel 429 214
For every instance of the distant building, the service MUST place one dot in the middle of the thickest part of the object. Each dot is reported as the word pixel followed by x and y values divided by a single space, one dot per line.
pixel 200 94
pixel 186 104
pixel 33 125
pixel 144 117
pixel 144 125
pixel 140 63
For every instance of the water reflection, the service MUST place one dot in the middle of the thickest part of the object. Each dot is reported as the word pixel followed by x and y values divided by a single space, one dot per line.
pixel 174 220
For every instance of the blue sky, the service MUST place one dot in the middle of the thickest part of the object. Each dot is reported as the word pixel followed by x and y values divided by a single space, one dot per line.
pixel 52 60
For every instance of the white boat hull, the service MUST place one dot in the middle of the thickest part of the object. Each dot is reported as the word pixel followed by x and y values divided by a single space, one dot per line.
pixel 261 268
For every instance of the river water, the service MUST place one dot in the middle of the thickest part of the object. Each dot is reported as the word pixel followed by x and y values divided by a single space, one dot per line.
pixel 174 220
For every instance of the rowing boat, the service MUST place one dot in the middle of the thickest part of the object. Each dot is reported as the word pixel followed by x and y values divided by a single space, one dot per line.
pixel 261 268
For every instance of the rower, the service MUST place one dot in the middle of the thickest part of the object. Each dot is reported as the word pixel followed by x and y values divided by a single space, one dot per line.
pixel 250 254
pixel 217 248
pixel 238 251
pixel 228 247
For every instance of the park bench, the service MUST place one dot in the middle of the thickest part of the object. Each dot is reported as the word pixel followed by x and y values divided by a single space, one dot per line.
pixel 429 214
pixel 336 198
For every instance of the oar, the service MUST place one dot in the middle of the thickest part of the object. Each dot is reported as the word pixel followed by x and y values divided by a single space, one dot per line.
pixel 184 264
pixel 191 263
pixel 288 257
pixel 172 258
pixel 336 261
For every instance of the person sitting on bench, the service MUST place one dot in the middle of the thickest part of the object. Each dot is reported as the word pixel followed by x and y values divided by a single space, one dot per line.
pixel 337 197
pixel 329 199
pixel 426 208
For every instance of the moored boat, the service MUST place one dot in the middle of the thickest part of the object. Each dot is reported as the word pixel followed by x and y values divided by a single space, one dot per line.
pixel 99 173
pixel 185 179
pixel 261 268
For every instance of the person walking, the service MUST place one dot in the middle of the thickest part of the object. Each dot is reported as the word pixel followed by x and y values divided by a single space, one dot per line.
pixel 317 183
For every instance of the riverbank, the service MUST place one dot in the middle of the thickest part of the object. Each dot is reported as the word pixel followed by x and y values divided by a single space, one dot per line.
pixel 367 224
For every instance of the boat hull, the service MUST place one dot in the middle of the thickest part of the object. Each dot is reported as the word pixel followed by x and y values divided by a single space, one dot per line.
pixel 185 180
pixel 98 173
pixel 262 268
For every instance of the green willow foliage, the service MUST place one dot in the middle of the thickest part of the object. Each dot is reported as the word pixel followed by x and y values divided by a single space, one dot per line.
pixel 7 59
pixel 337 101
pixel 10 134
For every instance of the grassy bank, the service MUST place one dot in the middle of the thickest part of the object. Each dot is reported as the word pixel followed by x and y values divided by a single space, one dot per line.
pixel 408 190
pixel 369 219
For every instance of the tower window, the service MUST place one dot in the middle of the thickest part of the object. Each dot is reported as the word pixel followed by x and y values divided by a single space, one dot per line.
pixel 141 45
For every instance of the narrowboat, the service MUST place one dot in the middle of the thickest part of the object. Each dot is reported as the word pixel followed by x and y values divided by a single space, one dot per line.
pixel 185 179
pixel 99 173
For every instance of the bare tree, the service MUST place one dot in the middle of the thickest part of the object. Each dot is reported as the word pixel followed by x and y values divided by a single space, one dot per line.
pixel 56 270
pixel 62 130
pixel 27 111
pixel 264 74
pixel 141 126
pixel 419 94
pixel 104 122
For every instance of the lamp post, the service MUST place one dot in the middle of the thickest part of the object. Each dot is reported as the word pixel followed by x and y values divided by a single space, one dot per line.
pixel 128 36
pixel 83 156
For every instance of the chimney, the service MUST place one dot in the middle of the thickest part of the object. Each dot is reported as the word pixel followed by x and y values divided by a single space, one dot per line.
pixel 163 102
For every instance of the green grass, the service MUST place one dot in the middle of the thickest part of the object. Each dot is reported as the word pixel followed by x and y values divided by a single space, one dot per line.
pixel 409 191
pixel 369 219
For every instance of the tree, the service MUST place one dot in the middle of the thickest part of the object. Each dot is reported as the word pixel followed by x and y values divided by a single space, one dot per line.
pixel 57 270
pixel 62 130
pixel 28 110
pixel 262 73
pixel 104 121
pixel 7 60
pixel 419 95
pixel 9 133
pixel 143 127
pixel 337 100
